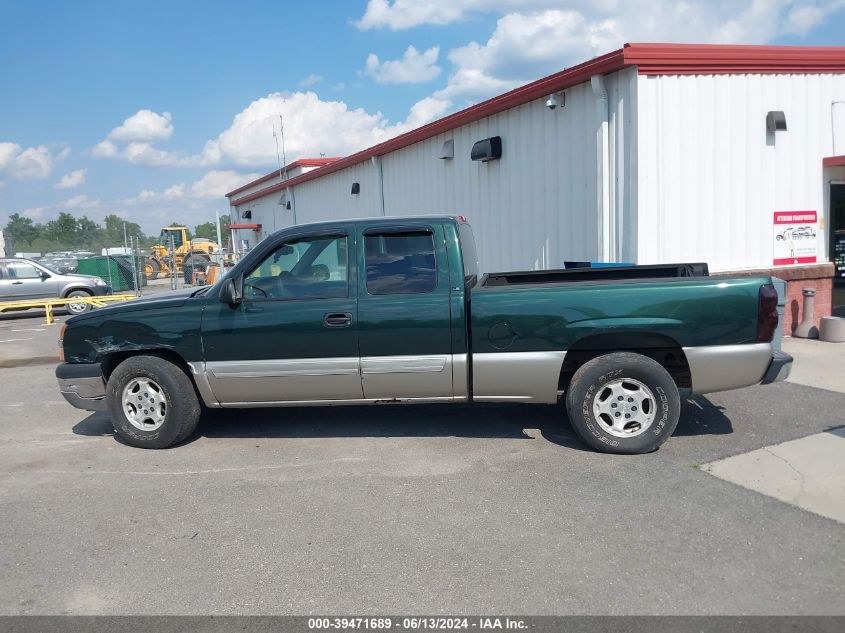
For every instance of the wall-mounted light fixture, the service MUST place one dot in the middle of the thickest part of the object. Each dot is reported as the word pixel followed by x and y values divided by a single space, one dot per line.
pixel 448 150
pixel 775 121
pixel 356 188
pixel 556 100
pixel 487 150
pixel 287 206
pixel 247 215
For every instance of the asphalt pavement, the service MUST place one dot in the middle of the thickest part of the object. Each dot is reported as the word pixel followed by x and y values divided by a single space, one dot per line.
pixel 426 509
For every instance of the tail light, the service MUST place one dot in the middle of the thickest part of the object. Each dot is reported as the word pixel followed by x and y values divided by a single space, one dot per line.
pixel 767 313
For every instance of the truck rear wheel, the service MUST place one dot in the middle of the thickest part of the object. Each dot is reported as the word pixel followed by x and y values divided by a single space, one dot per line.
pixel 623 403
pixel 152 402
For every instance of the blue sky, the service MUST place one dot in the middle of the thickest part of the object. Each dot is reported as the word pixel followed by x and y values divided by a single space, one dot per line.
pixel 153 110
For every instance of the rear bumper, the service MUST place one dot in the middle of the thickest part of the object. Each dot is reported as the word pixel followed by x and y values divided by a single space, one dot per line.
pixel 82 385
pixel 724 367
pixel 778 369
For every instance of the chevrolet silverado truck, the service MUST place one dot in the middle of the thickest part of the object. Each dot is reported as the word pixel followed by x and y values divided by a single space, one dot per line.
pixel 394 310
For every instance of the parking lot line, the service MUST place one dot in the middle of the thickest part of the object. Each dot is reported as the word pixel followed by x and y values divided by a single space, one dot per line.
pixel 14 340
pixel 29 330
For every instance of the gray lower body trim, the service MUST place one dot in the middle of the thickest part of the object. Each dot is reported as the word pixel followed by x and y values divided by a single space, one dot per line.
pixel 88 394
pixel 516 376
pixel 201 381
pixel 460 376
pixel 406 377
pixel 724 367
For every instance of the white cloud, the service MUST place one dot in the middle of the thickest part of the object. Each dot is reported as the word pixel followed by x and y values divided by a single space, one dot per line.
pixel 213 185
pixel 143 153
pixel 413 67
pixel 81 202
pixel 34 213
pixel 405 14
pixel 71 180
pixel 312 126
pixel 216 184
pixel 105 149
pixel 311 80
pixel 32 162
pixel 144 125
pixel 175 192
pixel 133 141
pixel 527 45
pixel 8 151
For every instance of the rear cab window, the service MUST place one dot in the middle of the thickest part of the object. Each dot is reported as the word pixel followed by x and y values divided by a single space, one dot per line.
pixel 400 262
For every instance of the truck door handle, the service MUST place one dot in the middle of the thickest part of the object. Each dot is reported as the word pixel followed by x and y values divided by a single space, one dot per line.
pixel 337 319
pixel 17 283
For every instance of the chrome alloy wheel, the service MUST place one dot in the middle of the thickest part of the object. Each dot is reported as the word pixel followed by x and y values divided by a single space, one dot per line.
pixel 625 407
pixel 144 404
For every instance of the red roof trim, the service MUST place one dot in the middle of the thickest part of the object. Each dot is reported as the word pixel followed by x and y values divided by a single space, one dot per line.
pixel 650 59
pixel 834 161
pixel 715 59
pixel 301 162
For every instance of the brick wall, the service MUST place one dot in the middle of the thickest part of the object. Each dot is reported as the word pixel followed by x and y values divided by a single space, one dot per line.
pixel 816 276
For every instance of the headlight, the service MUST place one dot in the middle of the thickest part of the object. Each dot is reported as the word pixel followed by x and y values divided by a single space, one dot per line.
pixel 99 282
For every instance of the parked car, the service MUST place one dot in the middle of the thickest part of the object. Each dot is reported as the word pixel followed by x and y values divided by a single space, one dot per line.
pixel 394 311
pixel 22 279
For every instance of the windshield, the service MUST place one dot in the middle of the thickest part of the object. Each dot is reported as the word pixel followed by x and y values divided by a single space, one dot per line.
pixel 48 268
pixel 170 235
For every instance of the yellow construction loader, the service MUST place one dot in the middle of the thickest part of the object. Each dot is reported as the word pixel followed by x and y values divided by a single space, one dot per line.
pixel 175 250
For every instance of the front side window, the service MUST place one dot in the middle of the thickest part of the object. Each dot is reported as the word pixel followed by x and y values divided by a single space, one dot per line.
pixel 400 263
pixel 310 268
pixel 21 270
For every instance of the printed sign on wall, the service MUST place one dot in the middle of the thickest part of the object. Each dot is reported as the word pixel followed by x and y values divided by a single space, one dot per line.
pixel 795 237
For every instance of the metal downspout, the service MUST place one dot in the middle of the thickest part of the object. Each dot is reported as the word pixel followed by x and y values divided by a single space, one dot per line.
pixel 376 162
pixel 606 253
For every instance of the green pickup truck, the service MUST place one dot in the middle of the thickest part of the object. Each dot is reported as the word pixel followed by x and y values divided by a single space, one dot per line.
pixel 394 310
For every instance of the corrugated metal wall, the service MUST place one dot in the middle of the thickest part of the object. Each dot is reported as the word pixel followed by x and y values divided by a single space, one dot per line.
pixel 534 208
pixel 710 177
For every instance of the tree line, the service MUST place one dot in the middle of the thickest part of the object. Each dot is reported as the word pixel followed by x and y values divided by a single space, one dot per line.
pixel 69 233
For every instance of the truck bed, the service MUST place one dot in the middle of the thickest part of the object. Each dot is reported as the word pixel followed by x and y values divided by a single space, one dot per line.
pixel 612 273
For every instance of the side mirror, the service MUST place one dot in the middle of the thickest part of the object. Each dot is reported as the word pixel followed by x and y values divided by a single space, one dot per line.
pixel 44 275
pixel 231 291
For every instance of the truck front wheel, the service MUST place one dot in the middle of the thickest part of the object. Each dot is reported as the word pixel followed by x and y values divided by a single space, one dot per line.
pixel 623 403
pixel 152 402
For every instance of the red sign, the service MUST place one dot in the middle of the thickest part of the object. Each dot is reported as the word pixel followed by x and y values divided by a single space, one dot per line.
pixel 795 237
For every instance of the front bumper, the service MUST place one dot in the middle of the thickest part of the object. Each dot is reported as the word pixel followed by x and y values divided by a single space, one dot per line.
pixel 82 385
pixel 778 369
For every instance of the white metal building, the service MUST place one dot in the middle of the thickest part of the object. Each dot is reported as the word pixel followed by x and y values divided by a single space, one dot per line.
pixel 655 153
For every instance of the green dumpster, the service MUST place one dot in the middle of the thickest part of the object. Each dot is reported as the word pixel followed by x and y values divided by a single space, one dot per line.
pixel 115 270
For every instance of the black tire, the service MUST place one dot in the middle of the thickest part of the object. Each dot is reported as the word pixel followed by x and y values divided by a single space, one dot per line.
pixel 152 269
pixel 192 264
pixel 589 392
pixel 182 408
pixel 79 308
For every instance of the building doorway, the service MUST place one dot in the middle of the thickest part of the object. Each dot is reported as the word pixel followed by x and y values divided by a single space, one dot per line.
pixel 837 246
